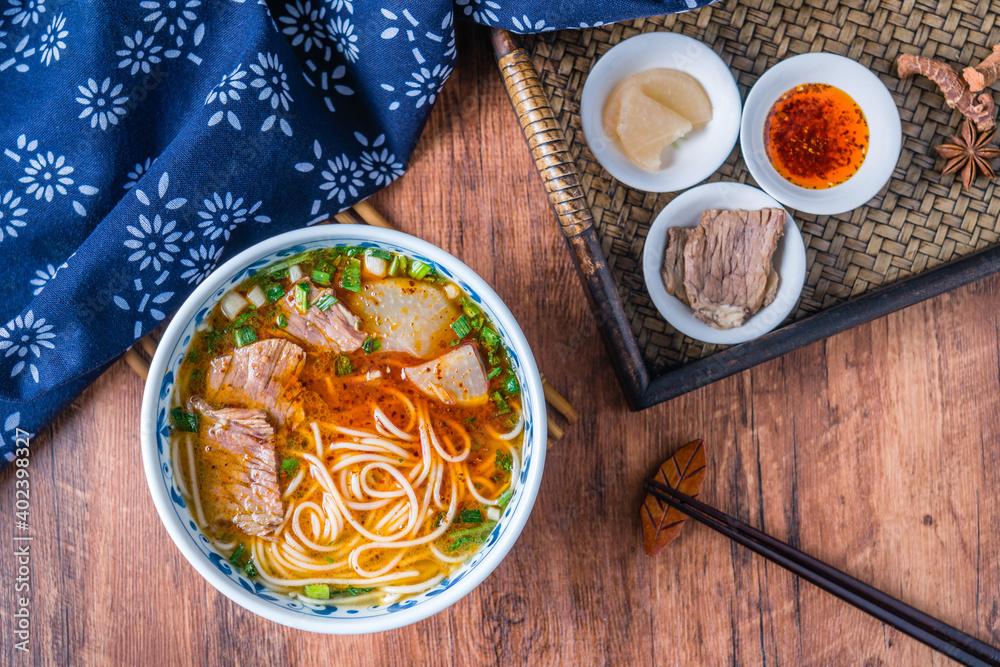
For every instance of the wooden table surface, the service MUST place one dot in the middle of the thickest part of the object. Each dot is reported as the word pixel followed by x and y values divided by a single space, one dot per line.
pixel 877 450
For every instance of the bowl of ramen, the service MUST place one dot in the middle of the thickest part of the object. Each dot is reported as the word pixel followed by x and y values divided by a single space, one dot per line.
pixel 343 429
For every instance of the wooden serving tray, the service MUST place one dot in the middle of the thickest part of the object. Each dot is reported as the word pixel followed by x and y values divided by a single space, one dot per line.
pixel 922 235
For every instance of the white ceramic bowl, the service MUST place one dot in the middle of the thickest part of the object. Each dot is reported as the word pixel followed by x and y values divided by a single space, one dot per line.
pixel 885 134
pixel 685 211
pixel 699 154
pixel 192 542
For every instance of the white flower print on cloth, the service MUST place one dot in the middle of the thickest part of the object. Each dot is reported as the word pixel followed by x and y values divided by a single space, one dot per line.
pixel 305 24
pixel 524 24
pixel 45 180
pixel 137 173
pixel 344 177
pixel 3 33
pixel 381 166
pixel 201 263
pixel 23 51
pixel 23 11
pixel 426 84
pixel 341 177
pixel 221 215
pixel 154 240
pixel 272 80
pixel 11 215
pixel 338 5
pixel 225 91
pixel 43 276
pixel 147 299
pixel 47 174
pixel 176 17
pixel 139 53
pixel 344 38
pixel 52 44
pixel 481 11
pixel 9 435
pixel 23 337
pixel 103 104
pixel 327 81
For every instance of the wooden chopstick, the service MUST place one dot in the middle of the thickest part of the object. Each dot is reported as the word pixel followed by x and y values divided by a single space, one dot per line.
pixel 934 633
pixel 559 402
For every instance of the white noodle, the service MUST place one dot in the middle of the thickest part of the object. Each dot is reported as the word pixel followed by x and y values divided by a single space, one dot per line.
pixel 294 484
pixel 447 559
pixel 175 459
pixel 194 484
pixel 319 440
pixel 472 489
pixel 382 420
pixel 415 588
pixel 510 435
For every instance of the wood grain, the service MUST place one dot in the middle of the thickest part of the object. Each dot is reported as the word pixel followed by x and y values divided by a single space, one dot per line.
pixel 877 450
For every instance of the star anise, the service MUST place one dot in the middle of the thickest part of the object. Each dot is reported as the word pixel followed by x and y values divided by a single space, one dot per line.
pixel 969 153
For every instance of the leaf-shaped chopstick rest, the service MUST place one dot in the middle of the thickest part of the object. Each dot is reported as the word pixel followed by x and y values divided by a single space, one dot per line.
pixel 684 471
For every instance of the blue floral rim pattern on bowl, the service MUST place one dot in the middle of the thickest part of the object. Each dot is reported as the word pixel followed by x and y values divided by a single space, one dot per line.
pixel 173 508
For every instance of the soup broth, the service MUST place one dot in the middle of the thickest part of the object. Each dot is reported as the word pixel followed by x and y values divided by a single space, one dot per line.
pixel 347 427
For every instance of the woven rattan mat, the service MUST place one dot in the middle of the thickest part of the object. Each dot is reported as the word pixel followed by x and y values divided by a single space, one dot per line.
pixel 917 222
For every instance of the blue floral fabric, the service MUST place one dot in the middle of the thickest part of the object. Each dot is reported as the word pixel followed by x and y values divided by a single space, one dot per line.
pixel 145 141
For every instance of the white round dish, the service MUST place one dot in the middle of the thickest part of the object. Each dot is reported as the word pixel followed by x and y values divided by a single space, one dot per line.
pixel 685 211
pixel 699 154
pixel 192 542
pixel 885 134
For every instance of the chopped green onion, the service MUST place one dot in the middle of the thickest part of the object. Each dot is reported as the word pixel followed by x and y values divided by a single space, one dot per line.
pixel 353 591
pixel 505 461
pixel 274 292
pixel 353 251
pixel 184 421
pixel 325 301
pixel 350 275
pixel 398 266
pixel 493 373
pixel 418 269
pixel 289 466
pixel 504 498
pixel 241 320
pixel 371 344
pixel 330 560
pixel 250 568
pixel 244 336
pixel 511 386
pixel 502 407
pixel 461 542
pixel 470 516
pixel 284 264
pixel 317 591
pixel 470 308
pixel 381 254
pixel 483 530
pixel 461 326
pixel 302 297
pixel 489 339
pixel 238 554
pixel 282 321
pixel 321 277
pixel 343 365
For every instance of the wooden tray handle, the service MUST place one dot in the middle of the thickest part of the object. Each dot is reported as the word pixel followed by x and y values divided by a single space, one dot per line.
pixel 562 184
